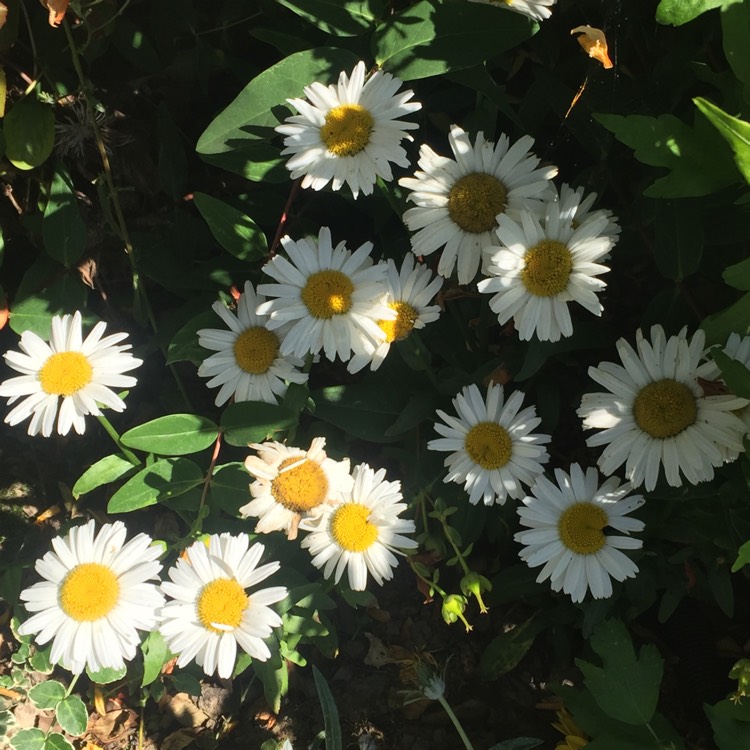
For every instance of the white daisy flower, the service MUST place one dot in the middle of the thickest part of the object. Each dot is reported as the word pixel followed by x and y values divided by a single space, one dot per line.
pixel 458 201
pixel 573 200
pixel 81 372
pixel 247 364
pixel 409 292
pixel 537 10
pixel 211 613
pixel 348 133
pixel 94 598
pixel 327 298
pixel 493 449
pixel 738 347
pixel 362 531
pixel 290 483
pixel 543 265
pixel 567 521
pixel 655 413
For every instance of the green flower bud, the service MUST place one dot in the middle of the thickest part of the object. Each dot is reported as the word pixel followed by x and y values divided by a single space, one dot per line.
pixel 473 584
pixel 453 609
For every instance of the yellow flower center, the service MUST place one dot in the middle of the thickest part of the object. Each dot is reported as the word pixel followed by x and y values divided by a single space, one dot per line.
pixel 65 373
pixel 401 327
pixel 488 445
pixel 547 268
pixel 220 605
pixel 302 487
pixel 347 129
pixel 475 200
pixel 89 592
pixel 255 350
pixel 580 528
pixel 665 408
pixel 328 293
pixel 351 529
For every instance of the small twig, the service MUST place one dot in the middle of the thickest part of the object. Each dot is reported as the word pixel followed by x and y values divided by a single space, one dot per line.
pixel 209 474
pixel 8 193
pixel 284 218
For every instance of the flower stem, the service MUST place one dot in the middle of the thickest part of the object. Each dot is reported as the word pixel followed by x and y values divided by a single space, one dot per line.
pixel 112 432
pixel 456 723
pixel 72 684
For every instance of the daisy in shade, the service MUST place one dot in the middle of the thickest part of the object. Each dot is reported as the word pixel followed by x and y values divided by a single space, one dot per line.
pixel 211 612
pixel 738 348
pixel 458 200
pixel 655 414
pixel 493 449
pixel 410 291
pixel 538 10
pixel 326 298
pixel 291 483
pixel 348 133
pixel 566 524
pixel 362 531
pixel 81 372
pixel 541 266
pixel 247 364
pixel 94 598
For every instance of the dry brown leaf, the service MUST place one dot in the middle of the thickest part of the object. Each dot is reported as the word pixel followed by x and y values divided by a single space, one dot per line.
pixel 56 10
pixel 185 711
pixel 594 42
pixel 3 14
pixel 178 740
pixel 108 727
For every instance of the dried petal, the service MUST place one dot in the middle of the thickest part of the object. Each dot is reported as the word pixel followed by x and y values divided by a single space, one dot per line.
pixel 56 10
pixel 595 43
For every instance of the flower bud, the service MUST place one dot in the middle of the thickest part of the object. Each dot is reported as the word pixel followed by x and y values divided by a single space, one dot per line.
pixel 473 584
pixel 453 609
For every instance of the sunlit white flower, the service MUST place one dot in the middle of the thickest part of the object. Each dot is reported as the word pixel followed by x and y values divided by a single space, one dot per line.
pixel 458 200
pixel 493 449
pixel 410 291
pixel 538 10
pixel 541 266
pixel 247 363
pixel 655 413
pixel 348 133
pixel 82 372
pixel 290 483
pixel 362 531
pixel 94 598
pixel 581 207
pixel 738 348
pixel 326 298
pixel 567 523
pixel 211 612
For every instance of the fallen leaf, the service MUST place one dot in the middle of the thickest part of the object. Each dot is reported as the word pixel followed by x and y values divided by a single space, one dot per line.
pixel 595 44
pixel 108 727
pixel 56 10
pixel 178 740
pixel 3 14
pixel 185 711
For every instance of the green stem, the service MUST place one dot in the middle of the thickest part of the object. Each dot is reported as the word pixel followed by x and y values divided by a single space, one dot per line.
pixel 430 583
pixel 459 556
pixel 456 723
pixel 72 684
pixel 112 432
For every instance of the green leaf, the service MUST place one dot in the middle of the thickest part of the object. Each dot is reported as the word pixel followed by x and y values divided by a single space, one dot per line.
pixel 738 275
pixel 519 743
pixel 184 346
pixel 155 653
pixel 505 650
pixel 743 557
pixel 678 12
pixel 338 17
pixel 172 160
pixel 72 715
pixel 56 741
pixel 697 165
pixel 720 583
pixel 251 115
pixel 735 29
pixel 106 675
pixel 730 724
pixel 40 661
pixel 164 479
pixel 35 312
pixel 229 488
pixel 29 129
pixel 236 233
pixel 428 39
pixel 28 739
pixel 255 421
pixel 63 230
pixel 679 239
pixel 735 374
pixel 185 682
pixel 173 435
pixel 104 471
pixel 735 132
pixel 626 687
pixel 257 160
pixel 330 712
pixel 733 319
pixel 47 694
pixel 274 676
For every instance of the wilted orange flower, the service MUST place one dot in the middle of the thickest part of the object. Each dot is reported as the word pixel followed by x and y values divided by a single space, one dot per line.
pixel 56 10
pixel 594 42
